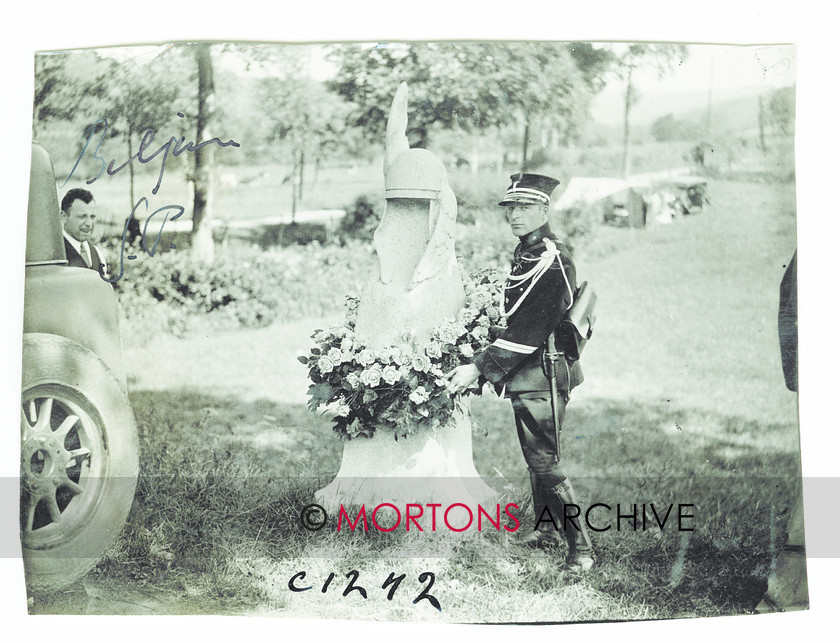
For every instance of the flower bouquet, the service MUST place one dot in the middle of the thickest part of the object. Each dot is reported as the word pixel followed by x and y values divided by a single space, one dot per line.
pixel 400 388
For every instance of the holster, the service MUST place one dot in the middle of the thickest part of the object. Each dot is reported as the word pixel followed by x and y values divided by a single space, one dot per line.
pixel 531 376
pixel 578 323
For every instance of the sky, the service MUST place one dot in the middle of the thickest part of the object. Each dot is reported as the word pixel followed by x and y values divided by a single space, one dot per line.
pixel 727 67
pixel 721 69
pixel 718 72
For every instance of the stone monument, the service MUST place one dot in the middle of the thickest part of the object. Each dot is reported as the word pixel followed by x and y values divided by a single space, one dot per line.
pixel 418 286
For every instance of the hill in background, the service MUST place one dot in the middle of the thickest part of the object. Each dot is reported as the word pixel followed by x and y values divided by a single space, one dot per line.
pixel 733 110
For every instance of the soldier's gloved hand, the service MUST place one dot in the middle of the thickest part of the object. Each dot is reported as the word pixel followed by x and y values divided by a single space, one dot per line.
pixel 461 378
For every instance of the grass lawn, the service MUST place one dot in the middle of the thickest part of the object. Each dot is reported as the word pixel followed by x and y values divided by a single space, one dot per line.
pixel 684 402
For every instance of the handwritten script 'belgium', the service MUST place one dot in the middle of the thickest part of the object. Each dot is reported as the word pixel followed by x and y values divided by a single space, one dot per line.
pixel 179 148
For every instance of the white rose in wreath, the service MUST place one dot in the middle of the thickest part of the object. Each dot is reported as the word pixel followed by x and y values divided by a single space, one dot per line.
pixel 448 335
pixel 420 363
pixel 372 376
pixel 354 380
pixel 391 375
pixel 433 350
pixel 419 395
pixel 366 357
pixel 325 364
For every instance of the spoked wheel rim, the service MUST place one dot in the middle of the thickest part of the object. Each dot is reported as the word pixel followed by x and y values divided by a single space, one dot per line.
pixel 63 461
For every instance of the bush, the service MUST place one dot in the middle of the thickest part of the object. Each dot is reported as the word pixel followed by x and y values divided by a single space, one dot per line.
pixel 229 287
pixel 576 226
pixel 485 246
pixel 249 288
pixel 361 219
pixel 490 244
pixel 291 234
pixel 302 234
pixel 538 159
pixel 478 195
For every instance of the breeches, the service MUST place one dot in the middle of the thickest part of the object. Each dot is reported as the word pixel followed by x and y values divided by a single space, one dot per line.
pixel 535 427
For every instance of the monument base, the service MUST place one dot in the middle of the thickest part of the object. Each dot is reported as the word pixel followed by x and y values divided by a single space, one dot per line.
pixel 424 467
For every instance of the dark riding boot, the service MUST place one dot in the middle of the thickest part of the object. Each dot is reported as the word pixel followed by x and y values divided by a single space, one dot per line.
pixel 581 553
pixel 546 528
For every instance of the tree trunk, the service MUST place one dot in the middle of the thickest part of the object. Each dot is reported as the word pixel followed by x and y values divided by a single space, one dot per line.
pixel 134 224
pixel 317 168
pixel 130 169
pixel 761 124
pixel 628 100
pixel 300 175
pixel 294 178
pixel 525 138
pixel 474 157
pixel 202 233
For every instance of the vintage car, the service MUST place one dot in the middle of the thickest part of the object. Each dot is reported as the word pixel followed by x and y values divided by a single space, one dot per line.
pixel 79 445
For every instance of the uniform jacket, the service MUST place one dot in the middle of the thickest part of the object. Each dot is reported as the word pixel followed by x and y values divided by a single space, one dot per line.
pixel 513 362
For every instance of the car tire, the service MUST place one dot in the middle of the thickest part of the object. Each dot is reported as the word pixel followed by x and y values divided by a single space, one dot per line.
pixel 79 460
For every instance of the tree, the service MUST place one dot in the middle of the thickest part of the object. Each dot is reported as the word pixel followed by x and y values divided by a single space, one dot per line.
pixel 303 115
pixel 203 249
pixel 469 86
pixel 593 62
pixel 762 119
pixel 781 110
pixel 661 58
pixel 135 98
pixel 141 97
pixel 670 128
pixel 66 84
pixel 121 96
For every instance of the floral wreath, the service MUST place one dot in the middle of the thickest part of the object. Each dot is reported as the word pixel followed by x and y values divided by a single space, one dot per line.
pixel 401 388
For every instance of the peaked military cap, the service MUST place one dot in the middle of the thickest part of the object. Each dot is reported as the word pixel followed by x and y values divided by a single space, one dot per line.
pixel 529 188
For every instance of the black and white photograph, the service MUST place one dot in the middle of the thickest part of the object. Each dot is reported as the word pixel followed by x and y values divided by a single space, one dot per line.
pixel 413 330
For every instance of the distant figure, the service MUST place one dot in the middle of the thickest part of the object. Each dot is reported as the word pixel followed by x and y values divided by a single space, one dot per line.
pixel 78 218
pixel 698 155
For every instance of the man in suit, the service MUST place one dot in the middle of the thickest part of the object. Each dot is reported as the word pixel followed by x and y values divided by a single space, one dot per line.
pixel 78 218
pixel 787 585
pixel 538 292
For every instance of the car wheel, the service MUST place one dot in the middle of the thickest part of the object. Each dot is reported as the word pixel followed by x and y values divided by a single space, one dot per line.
pixel 79 460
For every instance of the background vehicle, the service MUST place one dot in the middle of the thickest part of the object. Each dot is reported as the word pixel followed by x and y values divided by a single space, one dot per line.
pixel 79 447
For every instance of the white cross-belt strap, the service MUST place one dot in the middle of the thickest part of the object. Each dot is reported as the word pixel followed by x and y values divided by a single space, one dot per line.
pixel 514 347
pixel 548 256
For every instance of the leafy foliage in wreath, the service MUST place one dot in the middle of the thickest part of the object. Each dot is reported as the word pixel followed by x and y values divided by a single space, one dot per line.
pixel 402 387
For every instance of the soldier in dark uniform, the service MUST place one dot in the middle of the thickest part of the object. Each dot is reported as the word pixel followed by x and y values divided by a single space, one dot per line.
pixel 539 290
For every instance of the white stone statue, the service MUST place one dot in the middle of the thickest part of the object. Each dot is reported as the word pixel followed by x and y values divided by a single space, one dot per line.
pixel 418 286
